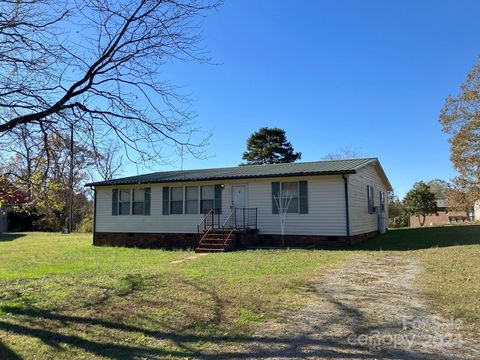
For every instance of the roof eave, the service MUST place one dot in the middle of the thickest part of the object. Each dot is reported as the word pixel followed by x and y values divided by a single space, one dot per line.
pixel 219 178
pixel 375 161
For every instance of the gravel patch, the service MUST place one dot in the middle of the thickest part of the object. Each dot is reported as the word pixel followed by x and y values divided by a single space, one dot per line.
pixel 367 309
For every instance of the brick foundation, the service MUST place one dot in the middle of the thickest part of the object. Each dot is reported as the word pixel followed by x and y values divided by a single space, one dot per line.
pixel 146 240
pixel 313 240
pixel 249 239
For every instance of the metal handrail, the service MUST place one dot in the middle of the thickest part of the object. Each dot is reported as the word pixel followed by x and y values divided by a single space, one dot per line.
pixel 209 216
pixel 229 217
pixel 248 219
pixel 204 221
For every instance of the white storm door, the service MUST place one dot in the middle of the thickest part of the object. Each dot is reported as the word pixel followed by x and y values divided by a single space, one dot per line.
pixel 239 201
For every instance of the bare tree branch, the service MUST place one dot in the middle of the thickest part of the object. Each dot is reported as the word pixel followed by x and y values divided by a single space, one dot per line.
pixel 96 64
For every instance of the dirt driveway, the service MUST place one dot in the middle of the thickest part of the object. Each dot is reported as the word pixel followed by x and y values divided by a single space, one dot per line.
pixel 367 309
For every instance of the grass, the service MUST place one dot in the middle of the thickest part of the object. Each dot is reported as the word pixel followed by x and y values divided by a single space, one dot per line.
pixel 61 297
pixel 452 280
pixel 423 238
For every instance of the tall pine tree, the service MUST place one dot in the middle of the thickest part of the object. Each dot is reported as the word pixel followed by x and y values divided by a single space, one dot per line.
pixel 269 146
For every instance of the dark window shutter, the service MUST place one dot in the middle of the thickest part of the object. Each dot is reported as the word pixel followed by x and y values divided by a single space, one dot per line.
pixel 370 199
pixel 303 196
pixel 148 196
pixel 275 193
pixel 218 198
pixel 114 202
pixel 166 201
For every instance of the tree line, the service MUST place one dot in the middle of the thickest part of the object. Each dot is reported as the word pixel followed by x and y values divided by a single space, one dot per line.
pixel 421 201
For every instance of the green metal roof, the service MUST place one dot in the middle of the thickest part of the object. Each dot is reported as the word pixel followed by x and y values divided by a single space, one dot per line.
pixel 248 171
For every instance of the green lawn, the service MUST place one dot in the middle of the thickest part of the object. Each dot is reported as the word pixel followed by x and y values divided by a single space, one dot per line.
pixel 61 297
pixel 424 238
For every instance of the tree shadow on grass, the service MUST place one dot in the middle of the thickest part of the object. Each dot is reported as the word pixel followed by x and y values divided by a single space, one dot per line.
pixel 10 236
pixel 6 353
pixel 279 347
pixel 422 238
pixel 56 329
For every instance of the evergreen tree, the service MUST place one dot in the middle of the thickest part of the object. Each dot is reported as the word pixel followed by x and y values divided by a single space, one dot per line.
pixel 269 146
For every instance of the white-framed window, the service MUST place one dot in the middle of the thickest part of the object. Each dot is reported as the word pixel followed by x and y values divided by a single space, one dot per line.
pixel 207 201
pixel 191 200
pixel 138 201
pixel 176 200
pixel 290 191
pixel 124 202
pixel 370 196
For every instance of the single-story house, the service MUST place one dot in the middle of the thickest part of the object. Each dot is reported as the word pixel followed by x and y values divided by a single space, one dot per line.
pixel 444 216
pixel 324 202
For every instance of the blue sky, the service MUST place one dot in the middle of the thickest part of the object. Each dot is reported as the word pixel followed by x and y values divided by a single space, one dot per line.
pixel 369 75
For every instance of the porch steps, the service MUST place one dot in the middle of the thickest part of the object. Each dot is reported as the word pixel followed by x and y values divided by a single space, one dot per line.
pixel 215 241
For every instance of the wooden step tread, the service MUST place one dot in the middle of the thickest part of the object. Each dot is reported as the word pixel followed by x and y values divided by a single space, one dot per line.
pixel 222 243
pixel 212 246
pixel 197 250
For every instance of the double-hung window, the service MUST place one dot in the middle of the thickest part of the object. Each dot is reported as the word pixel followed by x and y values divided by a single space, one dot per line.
pixel 131 201
pixel 138 201
pixel 207 198
pixel 124 202
pixel 191 200
pixel 176 200
pixel 289 193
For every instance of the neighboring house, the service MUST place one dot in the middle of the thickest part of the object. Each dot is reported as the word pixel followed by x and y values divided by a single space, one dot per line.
pixel 444 216
pixel 331 202
pixel 10 198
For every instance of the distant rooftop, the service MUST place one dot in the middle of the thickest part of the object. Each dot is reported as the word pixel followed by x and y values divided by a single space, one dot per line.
pixel 332 167
pixel 441 203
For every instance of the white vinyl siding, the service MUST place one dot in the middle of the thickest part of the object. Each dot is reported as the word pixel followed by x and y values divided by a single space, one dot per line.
pixel 326 208
pixel 361 221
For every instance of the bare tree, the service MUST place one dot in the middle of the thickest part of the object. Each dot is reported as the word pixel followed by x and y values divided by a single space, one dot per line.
pixel 343 154
pixel 22 157
pixel 282 201
pixel 95 65
pixel 108 162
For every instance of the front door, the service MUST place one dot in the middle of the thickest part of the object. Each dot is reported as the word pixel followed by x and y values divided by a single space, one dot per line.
pixel 239 201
